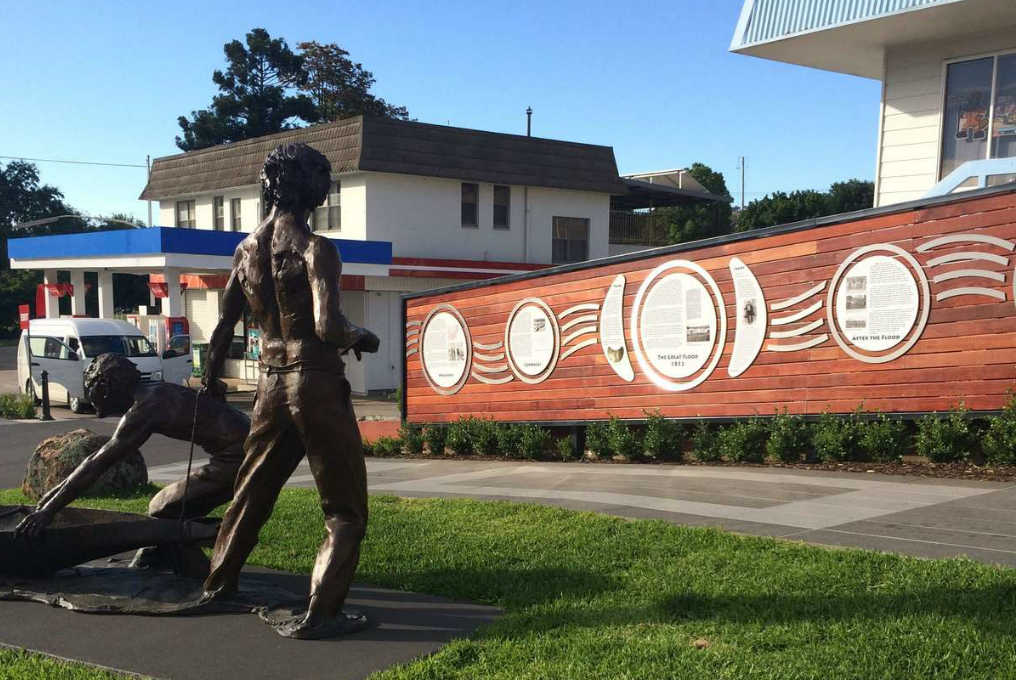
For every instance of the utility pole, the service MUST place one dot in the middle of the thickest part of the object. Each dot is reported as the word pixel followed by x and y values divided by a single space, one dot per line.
pixel 148 163
pixel 742 182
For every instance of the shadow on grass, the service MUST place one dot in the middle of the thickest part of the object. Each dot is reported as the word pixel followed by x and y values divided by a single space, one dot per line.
pixel 505 587
pixel 990 609
pixel 574 593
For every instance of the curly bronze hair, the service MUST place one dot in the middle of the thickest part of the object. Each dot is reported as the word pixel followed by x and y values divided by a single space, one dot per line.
pixel 290 178
pixel 110 381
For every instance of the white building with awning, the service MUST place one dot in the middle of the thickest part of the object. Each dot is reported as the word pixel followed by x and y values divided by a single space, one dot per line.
pixel 947 119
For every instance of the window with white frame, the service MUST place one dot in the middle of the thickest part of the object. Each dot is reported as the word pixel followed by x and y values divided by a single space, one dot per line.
pixel 502 206
pixel 570 241
pixel 979 114
pixel 185 214
pixel 328 217
pixel 218 213
pixel 234 214
pixel 470 204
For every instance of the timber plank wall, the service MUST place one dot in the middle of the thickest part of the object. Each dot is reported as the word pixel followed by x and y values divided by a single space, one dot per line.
pixel 966 351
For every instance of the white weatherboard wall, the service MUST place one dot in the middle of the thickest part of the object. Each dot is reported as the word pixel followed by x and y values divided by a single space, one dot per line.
pixel 422 217
pixel 913 99
pixel 249 202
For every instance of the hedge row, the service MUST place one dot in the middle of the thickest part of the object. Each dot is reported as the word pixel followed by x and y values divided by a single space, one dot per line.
pixel 860 436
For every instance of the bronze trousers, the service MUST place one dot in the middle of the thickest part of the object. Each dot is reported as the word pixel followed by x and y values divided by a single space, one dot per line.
pixel 299 413
pixel 209 487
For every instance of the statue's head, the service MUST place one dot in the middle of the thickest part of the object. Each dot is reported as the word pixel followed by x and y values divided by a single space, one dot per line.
pixel 110 381
pixel 295 177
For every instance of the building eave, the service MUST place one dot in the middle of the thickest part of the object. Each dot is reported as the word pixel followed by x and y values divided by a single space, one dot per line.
pixel 851 36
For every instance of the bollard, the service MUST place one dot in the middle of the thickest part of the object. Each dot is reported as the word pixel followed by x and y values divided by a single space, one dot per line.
pixel 45 414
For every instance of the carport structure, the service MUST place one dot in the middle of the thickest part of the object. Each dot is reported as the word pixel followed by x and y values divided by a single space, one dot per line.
pixel 165 254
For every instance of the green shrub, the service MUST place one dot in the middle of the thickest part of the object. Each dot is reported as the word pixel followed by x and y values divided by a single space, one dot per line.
pixel 999 442
pixel 566 448
pixel 945 439
pixel 412 438
pixel 386 447
pixel 597 439
pixel 835 437
pixel 458 439
pixel 368 449
pixel 434 436
pixel 17 406
pixel 744 441
pixel 483 436
pixel 883 439
pixel 705 445
pixel 533 441
pixel 662 438
pixel 789 437
pixel 622 439
pixel 509 440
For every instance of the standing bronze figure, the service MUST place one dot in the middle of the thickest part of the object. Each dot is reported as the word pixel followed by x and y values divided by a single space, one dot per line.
pixel 289 278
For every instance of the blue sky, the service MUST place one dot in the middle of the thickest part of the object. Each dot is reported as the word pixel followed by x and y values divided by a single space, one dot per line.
pixel 105 81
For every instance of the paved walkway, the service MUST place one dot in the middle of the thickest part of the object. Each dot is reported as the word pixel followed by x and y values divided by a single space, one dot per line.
pixel 928 518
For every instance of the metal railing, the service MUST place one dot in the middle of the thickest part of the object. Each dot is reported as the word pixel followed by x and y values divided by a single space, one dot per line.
pixel 638 228
pixel 976 175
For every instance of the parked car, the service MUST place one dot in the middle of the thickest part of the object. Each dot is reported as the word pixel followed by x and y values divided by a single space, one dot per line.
pixel 65 347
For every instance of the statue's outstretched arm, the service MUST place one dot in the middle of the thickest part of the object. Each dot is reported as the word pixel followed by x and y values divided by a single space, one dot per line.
pixel 133 430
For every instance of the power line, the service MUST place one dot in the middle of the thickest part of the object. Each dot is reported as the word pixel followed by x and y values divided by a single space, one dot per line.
pixel 54 160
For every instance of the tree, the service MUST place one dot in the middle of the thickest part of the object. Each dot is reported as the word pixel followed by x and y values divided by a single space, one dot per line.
pixel 27 208
pixel 23 199
pixel 854 194
pixel 700 220
pixel 255 94
pixel 781 208
pixel 340 88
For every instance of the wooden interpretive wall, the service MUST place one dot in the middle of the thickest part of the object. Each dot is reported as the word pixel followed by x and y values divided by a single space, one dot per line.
pixel 905 309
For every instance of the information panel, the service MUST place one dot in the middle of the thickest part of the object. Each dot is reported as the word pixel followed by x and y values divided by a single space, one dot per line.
pixel 445 350
pixel 877 303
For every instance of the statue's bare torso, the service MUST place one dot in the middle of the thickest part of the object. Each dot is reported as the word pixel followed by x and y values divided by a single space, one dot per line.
pixel 275 267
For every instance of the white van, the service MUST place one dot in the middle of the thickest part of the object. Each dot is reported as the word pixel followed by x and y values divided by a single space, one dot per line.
pixel 65 347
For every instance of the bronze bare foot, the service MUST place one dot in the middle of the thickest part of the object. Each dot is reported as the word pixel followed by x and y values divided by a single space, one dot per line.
pixel 303 627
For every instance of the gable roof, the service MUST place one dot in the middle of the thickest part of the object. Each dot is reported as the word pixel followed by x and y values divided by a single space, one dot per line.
pixel 384 145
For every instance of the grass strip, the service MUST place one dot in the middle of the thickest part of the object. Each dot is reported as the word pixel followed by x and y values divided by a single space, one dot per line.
pixel 591 596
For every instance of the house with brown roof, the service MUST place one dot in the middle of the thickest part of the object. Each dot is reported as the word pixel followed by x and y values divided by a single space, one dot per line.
pixel 413 206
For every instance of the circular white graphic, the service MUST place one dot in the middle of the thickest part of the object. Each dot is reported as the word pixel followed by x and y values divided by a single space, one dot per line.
pixel 876 303
pixel 445 350
pixel 532 340
pixel 677 325
pixel 880 303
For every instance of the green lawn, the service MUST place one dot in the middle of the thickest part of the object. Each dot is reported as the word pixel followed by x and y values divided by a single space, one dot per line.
pixel 590 596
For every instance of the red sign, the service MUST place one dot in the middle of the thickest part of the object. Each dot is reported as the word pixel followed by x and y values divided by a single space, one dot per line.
pixel 24 314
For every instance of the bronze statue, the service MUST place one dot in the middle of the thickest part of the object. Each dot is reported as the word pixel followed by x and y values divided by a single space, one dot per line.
pixel 289 278
pixel 112 384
